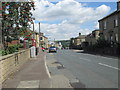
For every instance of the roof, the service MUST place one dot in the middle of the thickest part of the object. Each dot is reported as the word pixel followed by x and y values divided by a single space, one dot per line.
pixel 96 30
pixel 81 37
pixel 89 35
pixel 113 13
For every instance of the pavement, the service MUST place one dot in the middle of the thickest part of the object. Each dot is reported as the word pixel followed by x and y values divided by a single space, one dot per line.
pixel 33 74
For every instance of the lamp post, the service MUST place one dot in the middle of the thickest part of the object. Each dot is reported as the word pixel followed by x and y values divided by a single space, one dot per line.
pixel 33 40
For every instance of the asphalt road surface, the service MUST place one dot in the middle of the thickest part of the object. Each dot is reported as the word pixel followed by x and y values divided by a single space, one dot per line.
pixel 92 71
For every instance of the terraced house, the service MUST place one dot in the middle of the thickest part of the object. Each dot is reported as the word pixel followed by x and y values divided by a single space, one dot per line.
pixel 43 41
pixel 76 43
pixel 92 38
pixel 110 25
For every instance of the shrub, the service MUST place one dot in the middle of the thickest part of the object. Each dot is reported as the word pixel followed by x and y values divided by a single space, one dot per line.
pixel 10 50
pixel 102 44
pixel 13 49
pixel 5 52
pixel 21 46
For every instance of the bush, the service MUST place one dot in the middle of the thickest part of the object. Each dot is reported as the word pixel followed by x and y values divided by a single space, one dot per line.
pixel 5 52
pixel 10 50
pixel 102 44
pixel 21 46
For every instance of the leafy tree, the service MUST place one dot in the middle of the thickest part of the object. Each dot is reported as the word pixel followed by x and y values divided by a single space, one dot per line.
pixel 17 18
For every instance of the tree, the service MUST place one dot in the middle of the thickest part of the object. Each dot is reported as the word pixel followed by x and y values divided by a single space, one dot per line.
pixel 17 18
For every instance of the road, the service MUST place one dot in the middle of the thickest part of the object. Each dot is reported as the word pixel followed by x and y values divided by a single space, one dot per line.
pixel 86 70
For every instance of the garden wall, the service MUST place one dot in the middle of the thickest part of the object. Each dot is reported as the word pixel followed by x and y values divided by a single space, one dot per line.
pixel 9 64
pixel 113 51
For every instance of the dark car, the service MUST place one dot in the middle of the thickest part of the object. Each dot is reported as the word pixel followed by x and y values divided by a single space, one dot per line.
pixel 52 49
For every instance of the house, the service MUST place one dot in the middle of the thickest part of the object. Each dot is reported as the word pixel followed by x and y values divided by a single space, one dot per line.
pixel 77 41
pixel 92 38
pixel 43 41
pixel 110 25
pixel 37 39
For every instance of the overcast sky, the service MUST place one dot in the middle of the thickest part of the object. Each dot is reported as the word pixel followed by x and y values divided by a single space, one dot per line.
pixel 64 19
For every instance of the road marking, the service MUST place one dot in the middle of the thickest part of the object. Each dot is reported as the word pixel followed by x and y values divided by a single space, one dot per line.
pixel 85 59
pixel 51 54
pixel 108 66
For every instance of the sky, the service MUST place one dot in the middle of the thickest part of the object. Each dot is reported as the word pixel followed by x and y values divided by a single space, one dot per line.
pixel 64 19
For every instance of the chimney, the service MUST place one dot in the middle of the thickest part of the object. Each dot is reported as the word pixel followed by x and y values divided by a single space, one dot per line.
pixel 79 34
pixel 118 5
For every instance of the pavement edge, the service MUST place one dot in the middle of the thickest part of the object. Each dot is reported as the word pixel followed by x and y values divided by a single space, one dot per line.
pixel 47 70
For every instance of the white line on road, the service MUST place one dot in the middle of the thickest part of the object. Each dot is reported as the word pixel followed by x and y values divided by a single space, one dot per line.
pixel 108 66
pixel 85 59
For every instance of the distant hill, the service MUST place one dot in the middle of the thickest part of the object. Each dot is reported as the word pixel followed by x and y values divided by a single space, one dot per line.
pixel 65 43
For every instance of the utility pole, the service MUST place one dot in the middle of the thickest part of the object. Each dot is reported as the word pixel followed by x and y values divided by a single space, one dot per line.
pixel 39 33
pixel 39 27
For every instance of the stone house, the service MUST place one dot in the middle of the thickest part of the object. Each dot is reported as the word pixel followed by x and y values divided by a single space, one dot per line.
pixel 92 38
pixel 43 41
pixel 77 41
pixel 110 26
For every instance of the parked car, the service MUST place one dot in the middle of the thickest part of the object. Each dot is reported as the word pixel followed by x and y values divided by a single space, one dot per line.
pixel 52 49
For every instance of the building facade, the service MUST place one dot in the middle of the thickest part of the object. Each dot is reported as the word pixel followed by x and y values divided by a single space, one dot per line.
pixel 110 25
pixel 92 38
pixel 76 42
pixel 37 39
pixel 44 41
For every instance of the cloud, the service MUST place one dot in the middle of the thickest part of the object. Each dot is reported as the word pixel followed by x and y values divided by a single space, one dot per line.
pixel 72 15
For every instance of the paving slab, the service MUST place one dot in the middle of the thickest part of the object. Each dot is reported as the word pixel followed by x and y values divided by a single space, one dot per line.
pixel 29 84
pixel 33 74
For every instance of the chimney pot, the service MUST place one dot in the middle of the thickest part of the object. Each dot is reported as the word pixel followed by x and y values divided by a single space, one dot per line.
pixel 79 34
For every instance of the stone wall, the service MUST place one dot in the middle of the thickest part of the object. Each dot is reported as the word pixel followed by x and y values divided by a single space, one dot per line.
pixel 12 62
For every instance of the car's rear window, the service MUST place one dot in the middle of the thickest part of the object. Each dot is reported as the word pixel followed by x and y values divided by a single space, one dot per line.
pixel 52 47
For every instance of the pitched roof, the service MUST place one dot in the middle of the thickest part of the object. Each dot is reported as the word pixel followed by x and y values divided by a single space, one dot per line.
pixel 81 37
pixel 113 13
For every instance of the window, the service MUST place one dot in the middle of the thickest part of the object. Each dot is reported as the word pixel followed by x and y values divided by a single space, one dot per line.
pixel 72 41
pixel 105 24
pixel 40 38
pixel 116 22
pixel 111 38
pixel 116 37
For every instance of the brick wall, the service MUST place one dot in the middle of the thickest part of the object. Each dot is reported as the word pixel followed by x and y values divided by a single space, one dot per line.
pixel 11 63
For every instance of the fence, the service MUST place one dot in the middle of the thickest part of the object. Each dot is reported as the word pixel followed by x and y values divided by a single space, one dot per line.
pixel 12 62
